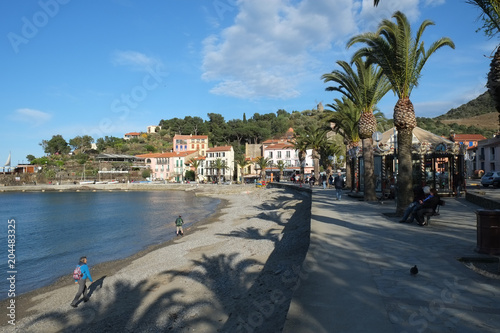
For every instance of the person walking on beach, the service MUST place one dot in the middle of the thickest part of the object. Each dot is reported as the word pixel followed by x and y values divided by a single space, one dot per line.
pixel 338 182
pixel 179 222
pixel 81 281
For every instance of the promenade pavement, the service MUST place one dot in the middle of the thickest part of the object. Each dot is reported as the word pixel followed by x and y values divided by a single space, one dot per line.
pixel 356 275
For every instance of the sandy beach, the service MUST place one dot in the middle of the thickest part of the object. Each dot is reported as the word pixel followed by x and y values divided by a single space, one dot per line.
pixel 235 272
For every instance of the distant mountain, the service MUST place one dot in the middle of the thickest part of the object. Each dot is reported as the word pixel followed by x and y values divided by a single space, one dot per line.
pixel 477 116
pixel 482 104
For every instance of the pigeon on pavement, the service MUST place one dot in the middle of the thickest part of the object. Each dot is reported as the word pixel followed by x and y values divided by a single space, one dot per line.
pixel 414 270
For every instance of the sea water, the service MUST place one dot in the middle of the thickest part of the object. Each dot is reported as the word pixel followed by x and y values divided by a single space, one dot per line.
pixel 54 229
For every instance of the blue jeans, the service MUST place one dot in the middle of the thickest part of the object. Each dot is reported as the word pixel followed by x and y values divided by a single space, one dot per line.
pixel 339 193
pixel 411 209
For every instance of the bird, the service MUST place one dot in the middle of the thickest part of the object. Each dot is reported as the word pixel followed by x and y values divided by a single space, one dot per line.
pixel 414 270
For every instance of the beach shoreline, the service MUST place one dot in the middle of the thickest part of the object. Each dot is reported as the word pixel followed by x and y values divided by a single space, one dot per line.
pixel 198 244
pixel 108 267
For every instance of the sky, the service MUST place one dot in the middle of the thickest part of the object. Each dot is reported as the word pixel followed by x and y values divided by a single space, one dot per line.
pixel 108 67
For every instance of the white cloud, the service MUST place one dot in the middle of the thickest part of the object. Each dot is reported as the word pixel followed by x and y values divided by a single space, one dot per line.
pixel 276 46
pixel 272 44
pixel 31 116
pixel 135 60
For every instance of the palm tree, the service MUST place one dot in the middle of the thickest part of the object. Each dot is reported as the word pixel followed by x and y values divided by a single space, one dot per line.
pixel 345 118
pixel 401 57
pixel 281 166
pixel 315 139
pixel 242 163
pixel 326 151
pixel 263 162
pixel 300 145
pixel 365 88
pixel 195 163
pixel 219 164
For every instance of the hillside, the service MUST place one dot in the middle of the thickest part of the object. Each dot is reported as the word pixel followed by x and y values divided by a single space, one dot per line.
pixel 482 104
pixel 487 121
pixel 477 116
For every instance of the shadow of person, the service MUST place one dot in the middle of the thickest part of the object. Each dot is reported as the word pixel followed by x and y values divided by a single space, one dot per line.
pixel 94 285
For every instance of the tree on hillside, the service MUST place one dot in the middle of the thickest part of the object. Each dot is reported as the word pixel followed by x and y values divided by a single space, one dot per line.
pixel 30 158
pixel 365 87
pixel 109 142
pixel 83 143
pixel 402 58
pixel 56 145
pixel 218 129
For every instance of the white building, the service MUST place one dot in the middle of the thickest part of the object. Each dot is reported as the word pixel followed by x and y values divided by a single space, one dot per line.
pixel 488 155
pixel 226 155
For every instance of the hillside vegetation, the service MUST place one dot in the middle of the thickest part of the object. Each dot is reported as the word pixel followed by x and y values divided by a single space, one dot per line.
pixel 477 116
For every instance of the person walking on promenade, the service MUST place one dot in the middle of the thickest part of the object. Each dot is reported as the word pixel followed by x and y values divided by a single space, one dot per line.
pixel 338 182
pixel 323 179
pixel 84 273
pixel 179 222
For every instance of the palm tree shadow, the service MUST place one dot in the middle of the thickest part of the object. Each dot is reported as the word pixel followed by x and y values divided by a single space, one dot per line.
pixel 256 300
pixel 253 233
pixel 123 310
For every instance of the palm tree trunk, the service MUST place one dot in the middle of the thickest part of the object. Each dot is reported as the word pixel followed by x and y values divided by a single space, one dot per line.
pixel 405 121
pixel 369 188
pixel 404 177
pixel 316 168
pixel 348 173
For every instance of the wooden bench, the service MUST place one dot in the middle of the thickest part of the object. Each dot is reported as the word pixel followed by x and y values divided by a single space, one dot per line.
pixel 435 212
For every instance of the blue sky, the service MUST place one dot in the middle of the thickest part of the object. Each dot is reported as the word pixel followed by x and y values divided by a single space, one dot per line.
pixel 107 67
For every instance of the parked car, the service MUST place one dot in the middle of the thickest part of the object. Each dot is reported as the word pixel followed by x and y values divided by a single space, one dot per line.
pixel 490 178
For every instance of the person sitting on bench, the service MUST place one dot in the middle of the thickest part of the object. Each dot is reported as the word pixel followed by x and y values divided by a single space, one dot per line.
pixel 428 206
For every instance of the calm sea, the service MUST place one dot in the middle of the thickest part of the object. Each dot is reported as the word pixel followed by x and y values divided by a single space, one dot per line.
pixel 53 229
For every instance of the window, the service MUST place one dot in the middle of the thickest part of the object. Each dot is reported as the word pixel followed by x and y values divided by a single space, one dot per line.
pixel 287 154
pixel 270 154
pixel 279 154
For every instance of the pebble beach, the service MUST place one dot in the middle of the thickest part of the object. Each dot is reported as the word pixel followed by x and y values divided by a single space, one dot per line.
pixel 234 272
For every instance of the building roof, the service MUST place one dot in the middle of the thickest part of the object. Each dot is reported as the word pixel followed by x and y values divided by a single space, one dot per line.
pixel 167 154
pixel 280 146
pixel 492 142
pixel 468 137
pixel 133 133
pixel 419 135
pixel 220 148
pixel 190 136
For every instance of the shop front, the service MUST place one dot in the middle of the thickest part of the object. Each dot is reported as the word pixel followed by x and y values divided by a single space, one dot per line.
pixel 437 161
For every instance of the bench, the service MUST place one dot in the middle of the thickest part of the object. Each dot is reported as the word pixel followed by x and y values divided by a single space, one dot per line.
pixel 435 212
